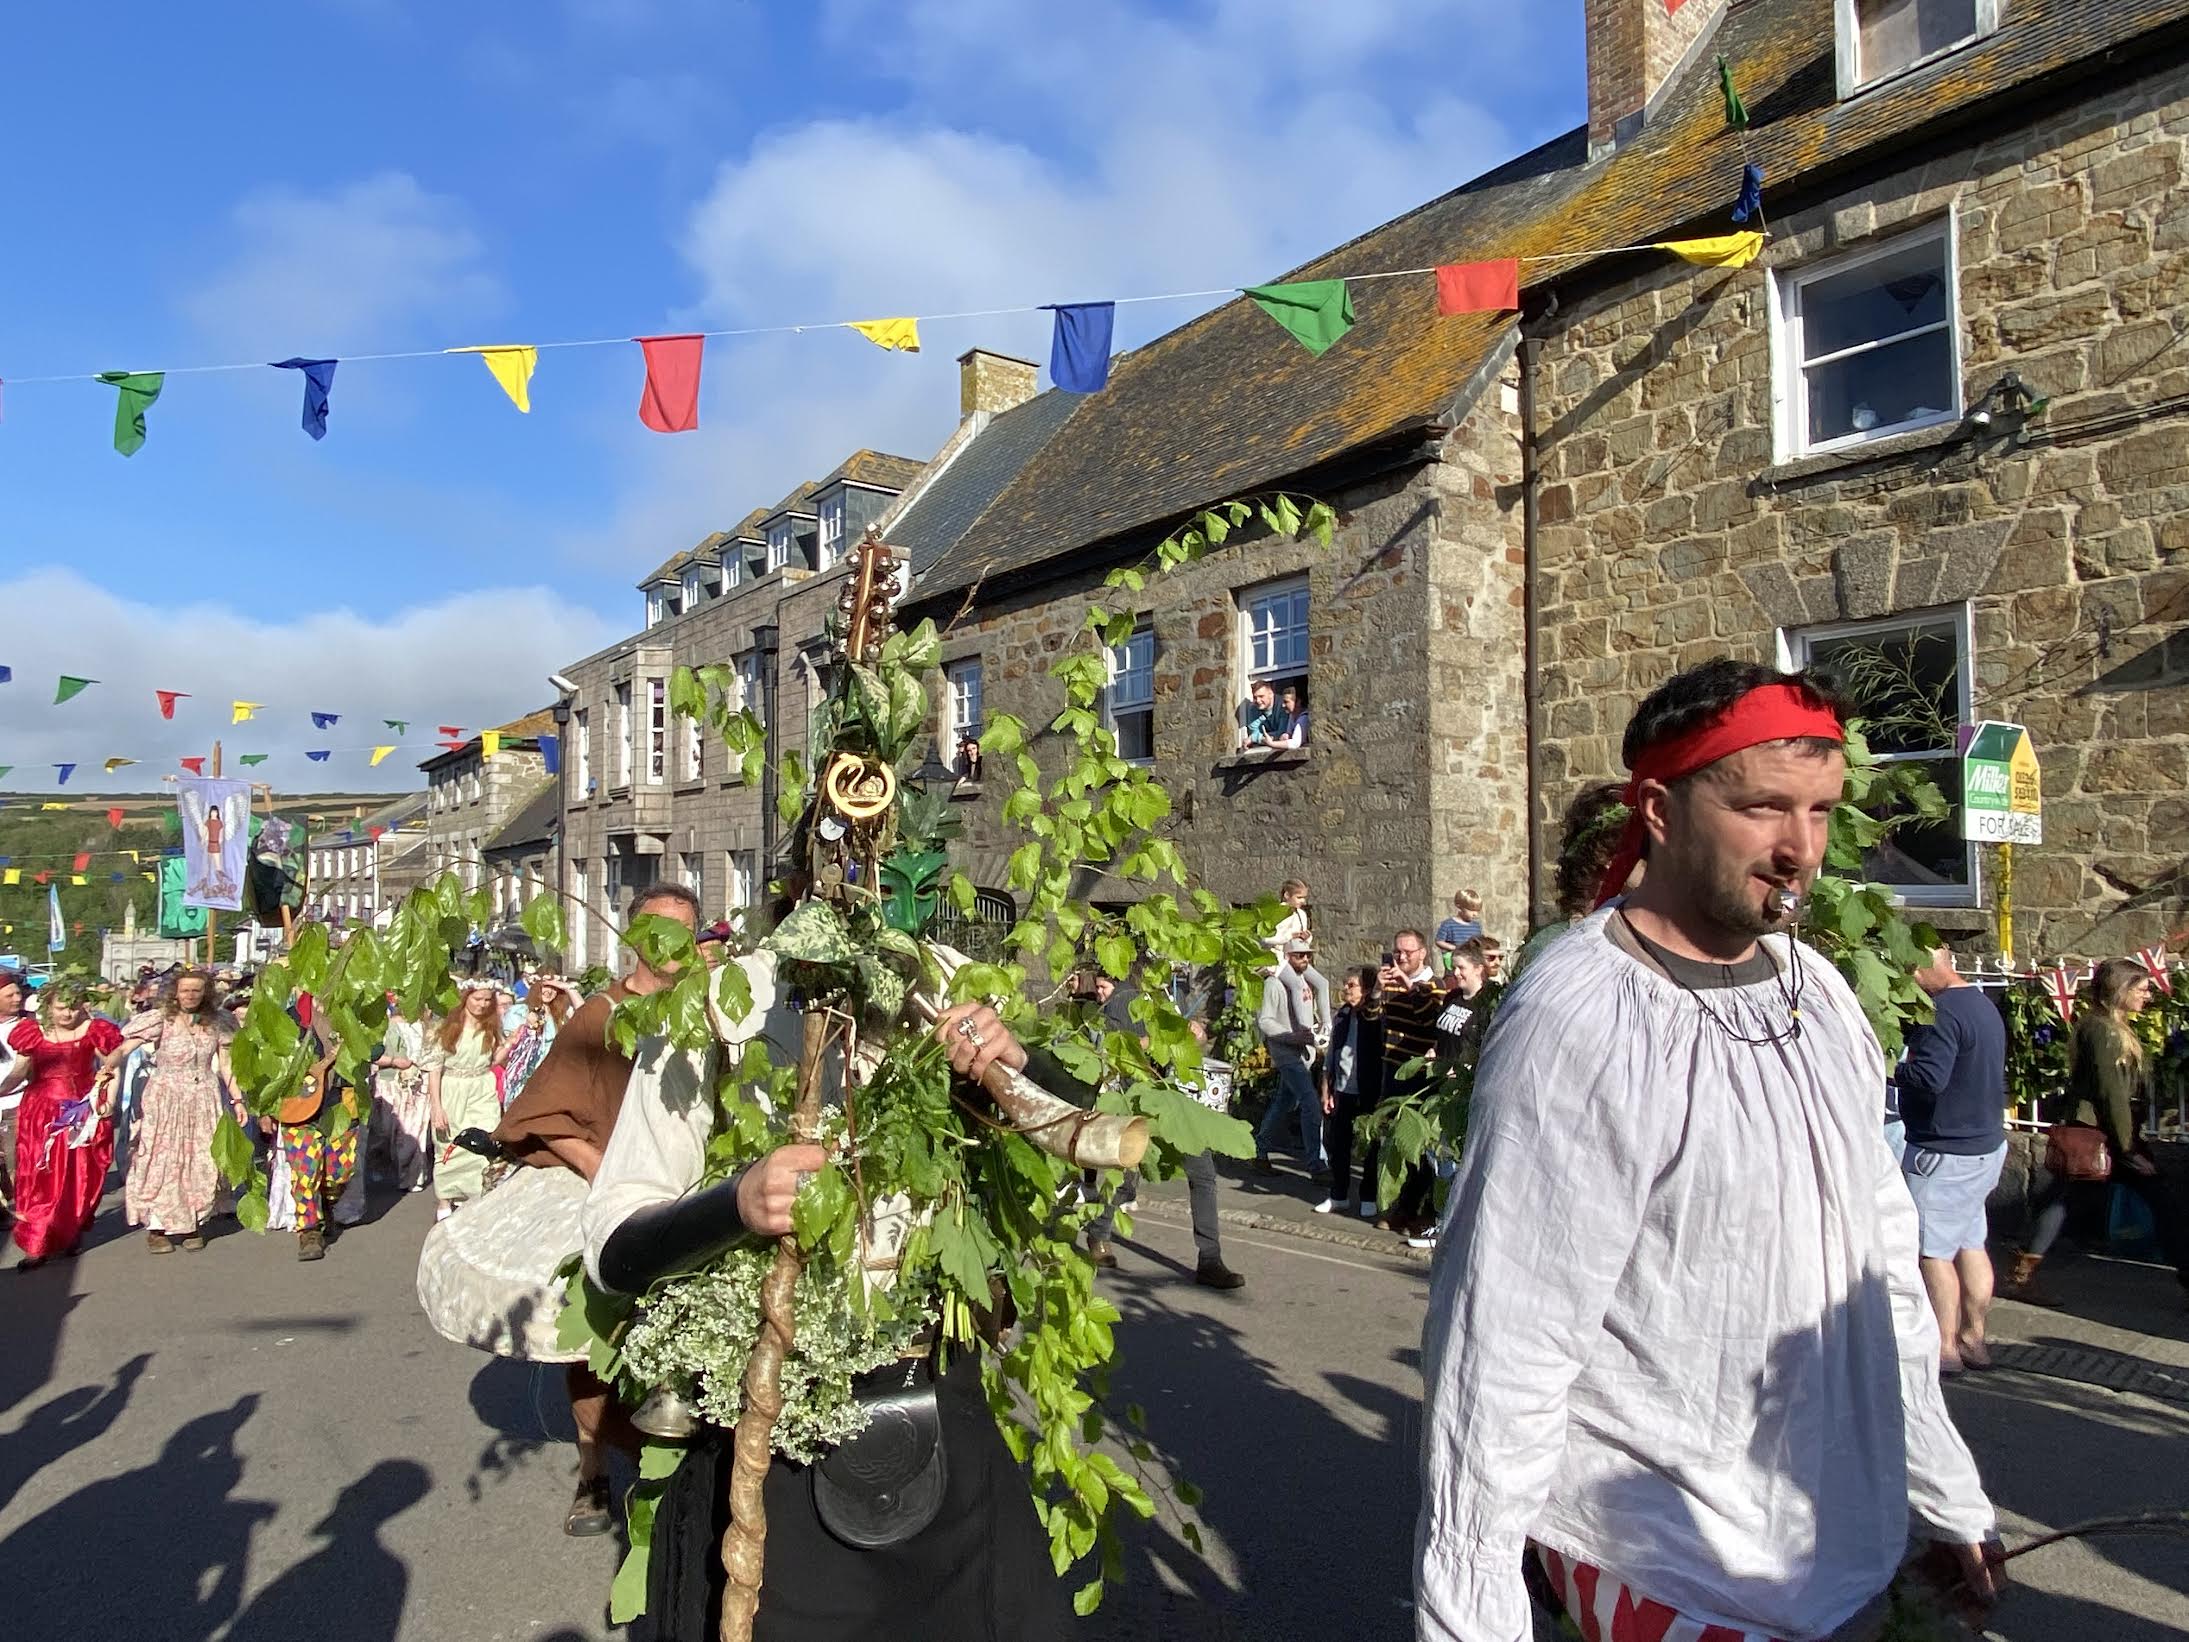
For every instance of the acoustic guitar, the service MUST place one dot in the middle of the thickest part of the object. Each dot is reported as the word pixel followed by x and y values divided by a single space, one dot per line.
pixel 304 1105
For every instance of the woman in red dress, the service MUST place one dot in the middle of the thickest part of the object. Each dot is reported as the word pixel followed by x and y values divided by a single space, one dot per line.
pixel 58 1180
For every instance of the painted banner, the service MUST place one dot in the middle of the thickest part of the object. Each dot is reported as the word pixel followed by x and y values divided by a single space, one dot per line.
pixel 177 922
pixel 216 842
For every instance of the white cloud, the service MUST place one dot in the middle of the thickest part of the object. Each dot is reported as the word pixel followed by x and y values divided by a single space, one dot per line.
pixel 355 267
pixel 1095 150
pixel 478 659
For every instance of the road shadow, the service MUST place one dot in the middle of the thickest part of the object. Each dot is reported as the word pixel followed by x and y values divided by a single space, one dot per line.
pixel 353 1588
pixel 36 1305
pixel 160 1551
pixel 1325 1551
pixel 525 1409
pixel 70 1420
pixel 2058 1454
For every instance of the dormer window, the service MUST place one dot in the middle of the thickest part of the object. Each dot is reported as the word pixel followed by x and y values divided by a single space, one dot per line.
pixel 832 531
pixel 691 587
pixel 1879 39
pixel 733 568
pixel 782 539
pixel 656 606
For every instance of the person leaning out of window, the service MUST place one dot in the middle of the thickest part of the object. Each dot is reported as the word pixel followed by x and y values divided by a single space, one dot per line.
pixel 2108 1091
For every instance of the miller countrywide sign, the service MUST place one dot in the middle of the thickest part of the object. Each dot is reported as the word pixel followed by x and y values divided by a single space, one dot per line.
pixel 2002 800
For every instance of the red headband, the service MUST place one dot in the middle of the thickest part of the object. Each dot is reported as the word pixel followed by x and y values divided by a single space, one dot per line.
pixel 1770 712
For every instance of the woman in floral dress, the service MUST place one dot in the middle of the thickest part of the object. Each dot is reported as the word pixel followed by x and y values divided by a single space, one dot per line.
pixel 405 1114
pixel 172 1183
pixel 64 1136
pixel 460 1060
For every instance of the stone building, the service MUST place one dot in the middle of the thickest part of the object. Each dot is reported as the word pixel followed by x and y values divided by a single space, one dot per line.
pixel 471 794
pixel 520 859
pixel 367 864
pixel 646 796
pixel 1934 438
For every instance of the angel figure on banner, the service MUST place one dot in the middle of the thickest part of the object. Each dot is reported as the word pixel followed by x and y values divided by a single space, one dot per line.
pixel 216 826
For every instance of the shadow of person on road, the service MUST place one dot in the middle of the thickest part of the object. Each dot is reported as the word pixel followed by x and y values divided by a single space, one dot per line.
pixel 352 1589
pixel 526 1407
pixel 38 1304
pixel 61 1423
pixel 158 1551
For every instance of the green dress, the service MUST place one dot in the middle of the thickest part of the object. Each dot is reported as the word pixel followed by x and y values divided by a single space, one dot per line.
pixel 469 1100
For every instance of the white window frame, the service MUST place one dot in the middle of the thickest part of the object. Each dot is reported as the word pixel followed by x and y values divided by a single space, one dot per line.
pixel 733 569
pixel 692 874
pixel 1114 708
pixel 963 679
pixel 625 751
pixel 657 601
pixel 739 892
pixel 582 766
pixel 689 589
pixel 657 731
pixel 694 749
pixel 1847 47
pixel 581 888
pixel 752 693
pixel 781 539
pixel 831 548
pixel 1260 596
pixel 1796 646
pixel 1789 382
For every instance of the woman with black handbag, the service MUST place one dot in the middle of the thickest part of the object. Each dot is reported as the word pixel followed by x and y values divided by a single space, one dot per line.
pixel 2108 1087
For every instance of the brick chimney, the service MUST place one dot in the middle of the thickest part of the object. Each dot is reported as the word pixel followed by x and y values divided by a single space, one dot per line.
pixel 993 382
pixel 1635 46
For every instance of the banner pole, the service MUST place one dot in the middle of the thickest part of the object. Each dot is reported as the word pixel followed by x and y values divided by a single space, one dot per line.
pixel 212 918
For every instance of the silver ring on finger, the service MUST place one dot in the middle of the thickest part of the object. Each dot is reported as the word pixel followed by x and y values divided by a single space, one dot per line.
pixel 965 1029
pixel 975 1039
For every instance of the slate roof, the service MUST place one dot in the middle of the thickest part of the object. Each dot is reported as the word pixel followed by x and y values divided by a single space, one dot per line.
pixel 534 824
pixel 867 467
pixel 947 509
pixel 389 816
pixel 877 468
pixel 1229 403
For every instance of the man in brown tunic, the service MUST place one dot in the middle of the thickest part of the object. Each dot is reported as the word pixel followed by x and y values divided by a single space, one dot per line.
pixel 562 1120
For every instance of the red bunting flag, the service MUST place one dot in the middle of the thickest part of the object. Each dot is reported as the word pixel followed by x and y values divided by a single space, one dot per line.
pixel 1479 287
pixel 40 877
pixel 454 730
pixel 196 766
pixel 670 402
pixel 2153 958
pixel 168 698
pixel 452 744
pixel 114 818
pixel 83 860
pixel 374 833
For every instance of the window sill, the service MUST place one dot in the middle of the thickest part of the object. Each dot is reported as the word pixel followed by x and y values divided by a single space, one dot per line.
pixel 685 789
pixel 1914 442
pixel 966 791
pixel 1263 758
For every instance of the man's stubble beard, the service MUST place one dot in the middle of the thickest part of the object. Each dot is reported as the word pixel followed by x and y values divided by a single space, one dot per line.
pixel 1722 893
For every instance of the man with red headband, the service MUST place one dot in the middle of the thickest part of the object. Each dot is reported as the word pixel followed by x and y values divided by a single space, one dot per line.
pixel 1677 1351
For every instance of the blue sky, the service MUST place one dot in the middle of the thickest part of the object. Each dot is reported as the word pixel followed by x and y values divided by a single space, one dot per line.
pixel 227 182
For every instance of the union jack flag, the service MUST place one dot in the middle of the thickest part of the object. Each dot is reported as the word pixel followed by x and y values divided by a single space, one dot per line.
pixel 2060 986
pixel 2153 958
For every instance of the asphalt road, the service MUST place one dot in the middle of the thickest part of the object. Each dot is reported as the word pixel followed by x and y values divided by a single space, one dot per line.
pixel 233 1446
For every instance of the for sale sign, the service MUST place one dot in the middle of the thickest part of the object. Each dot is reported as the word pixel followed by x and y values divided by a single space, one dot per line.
pixel 2001 796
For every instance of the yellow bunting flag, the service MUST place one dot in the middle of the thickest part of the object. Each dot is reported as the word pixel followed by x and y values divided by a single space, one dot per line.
pixel 512 368
pixel 490 743
pixel 76 878
pixel 378 753
pixel 900 334
pixel 243 710
pixel 1720 251
pixel 53 806
pixel 114 764
pixel 14 875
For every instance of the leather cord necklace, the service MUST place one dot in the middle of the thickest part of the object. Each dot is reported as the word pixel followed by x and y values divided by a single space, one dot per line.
pixel 1791 995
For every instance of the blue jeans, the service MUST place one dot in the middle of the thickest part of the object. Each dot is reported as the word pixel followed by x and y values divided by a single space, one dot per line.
pixel 1295 1088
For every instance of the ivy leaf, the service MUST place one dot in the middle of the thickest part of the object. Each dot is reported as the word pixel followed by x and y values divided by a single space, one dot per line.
pixel 233 1155
pixel 542 920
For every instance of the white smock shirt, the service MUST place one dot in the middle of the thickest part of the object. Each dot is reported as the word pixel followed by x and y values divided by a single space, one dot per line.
pixel 1676 1328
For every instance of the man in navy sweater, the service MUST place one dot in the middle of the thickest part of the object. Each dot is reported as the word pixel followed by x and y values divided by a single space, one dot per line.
pixel 1953 1099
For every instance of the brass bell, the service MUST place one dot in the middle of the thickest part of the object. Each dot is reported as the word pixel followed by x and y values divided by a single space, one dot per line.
pixel 665 1415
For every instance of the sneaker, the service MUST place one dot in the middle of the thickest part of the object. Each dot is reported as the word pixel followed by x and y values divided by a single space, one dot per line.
pixel 1100 1253
pixel 310 1245
pixel 1368 1211
pixel 1214 1274
pixel 1328 1205
pixel 589 1512
pixel 1421 1240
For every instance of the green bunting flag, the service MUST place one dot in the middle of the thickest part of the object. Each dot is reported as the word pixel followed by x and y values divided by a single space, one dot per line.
pixel 1736 112
pixel 1316 311
pixel 252 758
pixel 138 390
pixel 70 688
pixel 398 725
